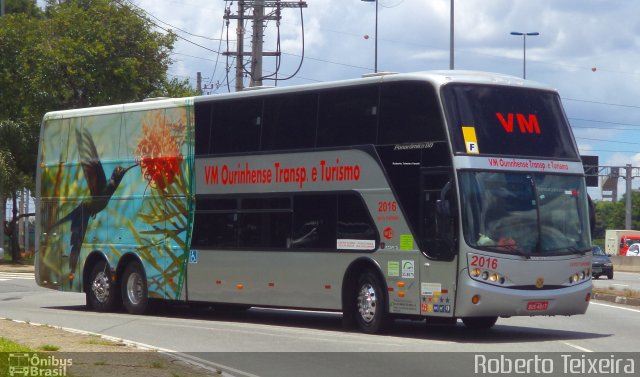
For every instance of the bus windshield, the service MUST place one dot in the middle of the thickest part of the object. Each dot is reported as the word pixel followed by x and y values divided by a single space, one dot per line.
pixel 508 121
pixel 523 213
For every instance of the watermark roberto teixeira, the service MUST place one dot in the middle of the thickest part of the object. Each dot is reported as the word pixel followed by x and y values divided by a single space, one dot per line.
pixel 548 363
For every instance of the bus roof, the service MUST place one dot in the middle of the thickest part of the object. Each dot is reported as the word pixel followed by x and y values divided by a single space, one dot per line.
pixel 437 78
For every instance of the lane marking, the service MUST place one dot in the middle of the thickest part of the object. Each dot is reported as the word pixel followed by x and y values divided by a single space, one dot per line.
pixel 16 275
pixel 615 306
pixel 577 347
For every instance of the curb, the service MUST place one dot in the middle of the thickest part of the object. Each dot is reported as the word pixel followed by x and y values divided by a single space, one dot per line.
pixel 616 299
pixel 17 268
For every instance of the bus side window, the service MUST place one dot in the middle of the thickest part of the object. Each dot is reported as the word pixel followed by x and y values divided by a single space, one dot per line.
pixel 438 215
pixel 314 222
pixel 348 116
pixel 290 121
pixel 236 126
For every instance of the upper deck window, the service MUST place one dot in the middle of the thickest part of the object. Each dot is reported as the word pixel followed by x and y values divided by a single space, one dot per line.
pixel 507 121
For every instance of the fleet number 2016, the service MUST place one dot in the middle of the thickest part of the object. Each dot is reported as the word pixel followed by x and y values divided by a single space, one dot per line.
pixel 482 262
pixel 387 206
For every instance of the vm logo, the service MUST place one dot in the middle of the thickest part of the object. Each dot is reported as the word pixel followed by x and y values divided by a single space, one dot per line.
pixel 527 124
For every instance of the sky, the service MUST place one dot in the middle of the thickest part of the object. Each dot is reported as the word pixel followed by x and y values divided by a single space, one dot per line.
pixel 588 49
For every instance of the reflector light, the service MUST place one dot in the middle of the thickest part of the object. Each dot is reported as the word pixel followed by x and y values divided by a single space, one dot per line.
pixel 400 294
pixel 475 299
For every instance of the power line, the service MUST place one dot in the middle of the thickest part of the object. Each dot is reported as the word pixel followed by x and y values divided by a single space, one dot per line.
pixel 601 103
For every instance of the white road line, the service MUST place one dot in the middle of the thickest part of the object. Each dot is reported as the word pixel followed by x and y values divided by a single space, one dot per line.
pixel 615 306
pixel 620 285
pixel 17 275
pixel 577 347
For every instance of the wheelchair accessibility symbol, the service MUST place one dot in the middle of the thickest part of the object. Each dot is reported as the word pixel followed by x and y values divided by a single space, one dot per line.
pixel 193 256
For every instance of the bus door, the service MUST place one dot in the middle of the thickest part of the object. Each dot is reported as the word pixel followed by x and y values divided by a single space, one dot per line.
pixel 438 241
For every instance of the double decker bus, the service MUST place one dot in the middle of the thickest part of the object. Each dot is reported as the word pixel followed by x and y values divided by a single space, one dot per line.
pixel 435 195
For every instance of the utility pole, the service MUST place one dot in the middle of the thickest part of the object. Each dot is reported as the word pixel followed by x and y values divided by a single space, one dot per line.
pixel 199 83
pixel 627 212
pixel 257 43
pixel 257 37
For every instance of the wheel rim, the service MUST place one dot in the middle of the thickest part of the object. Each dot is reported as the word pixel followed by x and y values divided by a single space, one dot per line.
pixel 101 287
pixel 135 288
pixel 367 303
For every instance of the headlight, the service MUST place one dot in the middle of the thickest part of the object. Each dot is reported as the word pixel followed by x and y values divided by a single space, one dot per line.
pixel 608 264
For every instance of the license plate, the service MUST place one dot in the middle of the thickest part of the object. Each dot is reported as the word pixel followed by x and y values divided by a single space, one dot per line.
pixel 537 305
pixel 598 269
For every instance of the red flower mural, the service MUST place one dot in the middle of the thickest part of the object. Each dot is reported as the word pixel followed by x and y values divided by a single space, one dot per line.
pixel 159 151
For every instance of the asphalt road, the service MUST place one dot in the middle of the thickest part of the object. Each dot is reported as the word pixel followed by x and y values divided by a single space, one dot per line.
pixel 621 281
pixel 267 342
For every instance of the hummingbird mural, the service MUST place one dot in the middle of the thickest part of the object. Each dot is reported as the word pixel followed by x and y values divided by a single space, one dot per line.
pixel 100 190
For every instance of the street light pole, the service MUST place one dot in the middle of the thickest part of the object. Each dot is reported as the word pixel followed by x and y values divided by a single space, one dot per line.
pixel 451 38
pixel 375 60
pixel 524 50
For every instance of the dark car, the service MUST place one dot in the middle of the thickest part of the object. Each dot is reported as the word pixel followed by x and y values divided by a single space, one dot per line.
pixel 601 264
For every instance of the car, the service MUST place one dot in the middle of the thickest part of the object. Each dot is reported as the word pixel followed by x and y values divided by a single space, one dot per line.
pixel 633 250
pixel 601 264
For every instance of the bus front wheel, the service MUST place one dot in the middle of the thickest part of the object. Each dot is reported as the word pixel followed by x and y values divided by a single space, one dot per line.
pixel 479 323
pixel 102 292
pixel 134 289
pixel 370 304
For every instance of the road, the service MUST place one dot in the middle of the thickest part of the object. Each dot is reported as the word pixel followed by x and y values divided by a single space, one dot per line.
pixel 621 281
pixel 268 342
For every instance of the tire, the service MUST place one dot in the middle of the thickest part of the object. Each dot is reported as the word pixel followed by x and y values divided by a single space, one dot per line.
pixel 135 297
pixel 479 323
pixel 103 295
pixel 610 275
pixel 370 304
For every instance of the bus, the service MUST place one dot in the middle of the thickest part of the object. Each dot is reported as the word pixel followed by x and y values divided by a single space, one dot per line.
pixel 439 195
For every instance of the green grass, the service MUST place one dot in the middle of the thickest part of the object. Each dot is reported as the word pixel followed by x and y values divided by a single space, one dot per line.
pixel 48 347
pixel 618 292
pixel 7 345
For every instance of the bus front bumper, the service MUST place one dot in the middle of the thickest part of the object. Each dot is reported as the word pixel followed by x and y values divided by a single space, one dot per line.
pixel 477 299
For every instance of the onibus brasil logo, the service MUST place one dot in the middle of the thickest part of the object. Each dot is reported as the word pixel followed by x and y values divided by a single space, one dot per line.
pixel 34 365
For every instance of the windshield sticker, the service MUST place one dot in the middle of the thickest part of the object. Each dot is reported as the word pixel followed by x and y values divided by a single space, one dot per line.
pixel 470 140
pixel 406 242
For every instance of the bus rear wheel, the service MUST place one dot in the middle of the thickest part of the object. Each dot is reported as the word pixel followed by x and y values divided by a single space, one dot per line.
pixel 102 292
pixel 370 304
pixel 479 323
pixel 135 296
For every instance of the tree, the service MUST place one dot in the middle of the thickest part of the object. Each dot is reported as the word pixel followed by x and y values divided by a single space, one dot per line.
pixel 611 215
pixel 100 52
pixel 29 7
pixel 77 53
pixel 174 88
pixel 18 151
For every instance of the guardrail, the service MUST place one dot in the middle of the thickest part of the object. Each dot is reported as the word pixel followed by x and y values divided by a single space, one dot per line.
pixel 629 264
